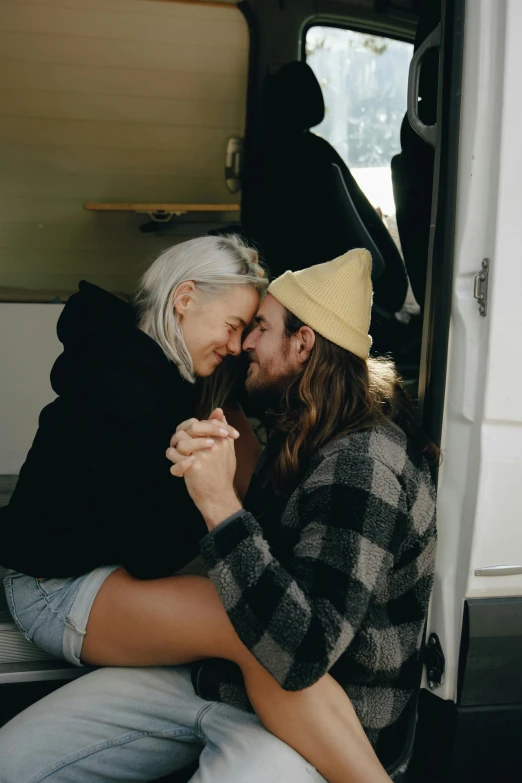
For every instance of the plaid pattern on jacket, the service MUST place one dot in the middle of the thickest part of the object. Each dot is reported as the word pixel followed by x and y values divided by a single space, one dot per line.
pixel 342 585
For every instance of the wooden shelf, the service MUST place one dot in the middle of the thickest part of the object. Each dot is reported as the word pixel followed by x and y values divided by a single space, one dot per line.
pixel 161 213
pixel 184 208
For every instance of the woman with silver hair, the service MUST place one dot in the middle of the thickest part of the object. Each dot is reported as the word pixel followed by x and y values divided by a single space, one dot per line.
pixel 97 511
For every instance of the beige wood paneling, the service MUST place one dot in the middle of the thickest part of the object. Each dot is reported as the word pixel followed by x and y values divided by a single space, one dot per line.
pixel 105 24
pixel 116 271
pixel 116 159
pixel 35 131
pixel 116 53
pixel 159 7
pixel 109 100
pixel 68 105
pixel 165 84
pixel 102 186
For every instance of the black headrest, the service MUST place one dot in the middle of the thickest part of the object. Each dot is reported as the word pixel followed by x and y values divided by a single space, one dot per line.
pixel 294 100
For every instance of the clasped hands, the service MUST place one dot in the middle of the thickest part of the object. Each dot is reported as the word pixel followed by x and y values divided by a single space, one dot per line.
pixel 203 454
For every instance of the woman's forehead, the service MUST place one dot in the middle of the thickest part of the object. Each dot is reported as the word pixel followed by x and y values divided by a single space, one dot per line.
pixel 240 303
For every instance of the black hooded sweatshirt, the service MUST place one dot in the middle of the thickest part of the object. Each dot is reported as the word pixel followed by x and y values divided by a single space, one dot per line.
pixel 96 488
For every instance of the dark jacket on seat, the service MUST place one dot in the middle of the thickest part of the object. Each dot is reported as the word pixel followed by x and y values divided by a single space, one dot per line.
pixel 96 487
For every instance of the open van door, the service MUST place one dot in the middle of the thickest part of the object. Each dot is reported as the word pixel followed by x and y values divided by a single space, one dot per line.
pixel 469 389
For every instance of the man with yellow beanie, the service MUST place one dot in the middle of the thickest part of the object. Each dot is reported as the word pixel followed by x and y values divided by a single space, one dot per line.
pixel 333 300
pixel 328 566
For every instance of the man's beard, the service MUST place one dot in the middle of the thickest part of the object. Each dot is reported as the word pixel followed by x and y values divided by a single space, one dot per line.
pixel 267 390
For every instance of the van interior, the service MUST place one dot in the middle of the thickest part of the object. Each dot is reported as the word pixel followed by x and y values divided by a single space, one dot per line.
pixel 307 126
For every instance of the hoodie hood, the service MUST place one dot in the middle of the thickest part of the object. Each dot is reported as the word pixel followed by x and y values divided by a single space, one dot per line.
pixel 106 356
pixel 90 310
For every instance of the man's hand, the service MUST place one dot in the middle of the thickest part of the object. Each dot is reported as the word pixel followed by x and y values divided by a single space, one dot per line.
pixel 203 453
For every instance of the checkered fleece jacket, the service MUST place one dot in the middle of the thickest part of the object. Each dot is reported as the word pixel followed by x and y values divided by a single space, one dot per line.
pixel 342 586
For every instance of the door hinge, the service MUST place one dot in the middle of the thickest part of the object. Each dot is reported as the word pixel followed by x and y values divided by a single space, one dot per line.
pixel 481 287
pixel 435 662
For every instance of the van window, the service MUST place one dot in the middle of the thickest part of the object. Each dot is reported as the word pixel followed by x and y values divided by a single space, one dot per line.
pixel 364 79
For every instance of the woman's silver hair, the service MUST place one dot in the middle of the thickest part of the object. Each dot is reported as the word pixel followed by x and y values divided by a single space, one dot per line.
pixel 213 263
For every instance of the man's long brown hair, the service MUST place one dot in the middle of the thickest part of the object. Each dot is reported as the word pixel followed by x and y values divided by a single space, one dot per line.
pixel 337 393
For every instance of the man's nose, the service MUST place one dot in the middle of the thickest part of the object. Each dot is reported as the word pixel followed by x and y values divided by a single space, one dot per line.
pixel 249 342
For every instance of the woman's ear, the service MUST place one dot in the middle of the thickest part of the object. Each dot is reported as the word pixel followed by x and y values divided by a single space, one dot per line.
pixel 306 341
pixel 182 296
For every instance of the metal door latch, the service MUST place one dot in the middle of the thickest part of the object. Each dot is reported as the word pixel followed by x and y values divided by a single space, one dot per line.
pixel 481 287
pixel 435 662
pixel 234 163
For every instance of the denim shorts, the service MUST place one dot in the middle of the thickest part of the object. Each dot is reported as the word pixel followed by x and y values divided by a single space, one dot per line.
pixel 53 613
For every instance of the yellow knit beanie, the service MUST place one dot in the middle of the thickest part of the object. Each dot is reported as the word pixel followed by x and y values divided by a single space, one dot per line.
pixel 333 299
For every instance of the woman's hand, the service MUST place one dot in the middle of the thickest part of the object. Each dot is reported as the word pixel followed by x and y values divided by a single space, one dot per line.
pixel 193 435
pixel 208 465
pixel 214 427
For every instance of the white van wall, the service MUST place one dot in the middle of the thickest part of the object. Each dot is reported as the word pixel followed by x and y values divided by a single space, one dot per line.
pixel 110 100
pixel 28 349
pixel 480 488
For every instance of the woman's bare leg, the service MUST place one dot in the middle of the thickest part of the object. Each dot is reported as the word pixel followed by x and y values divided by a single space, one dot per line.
pixel 181 619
